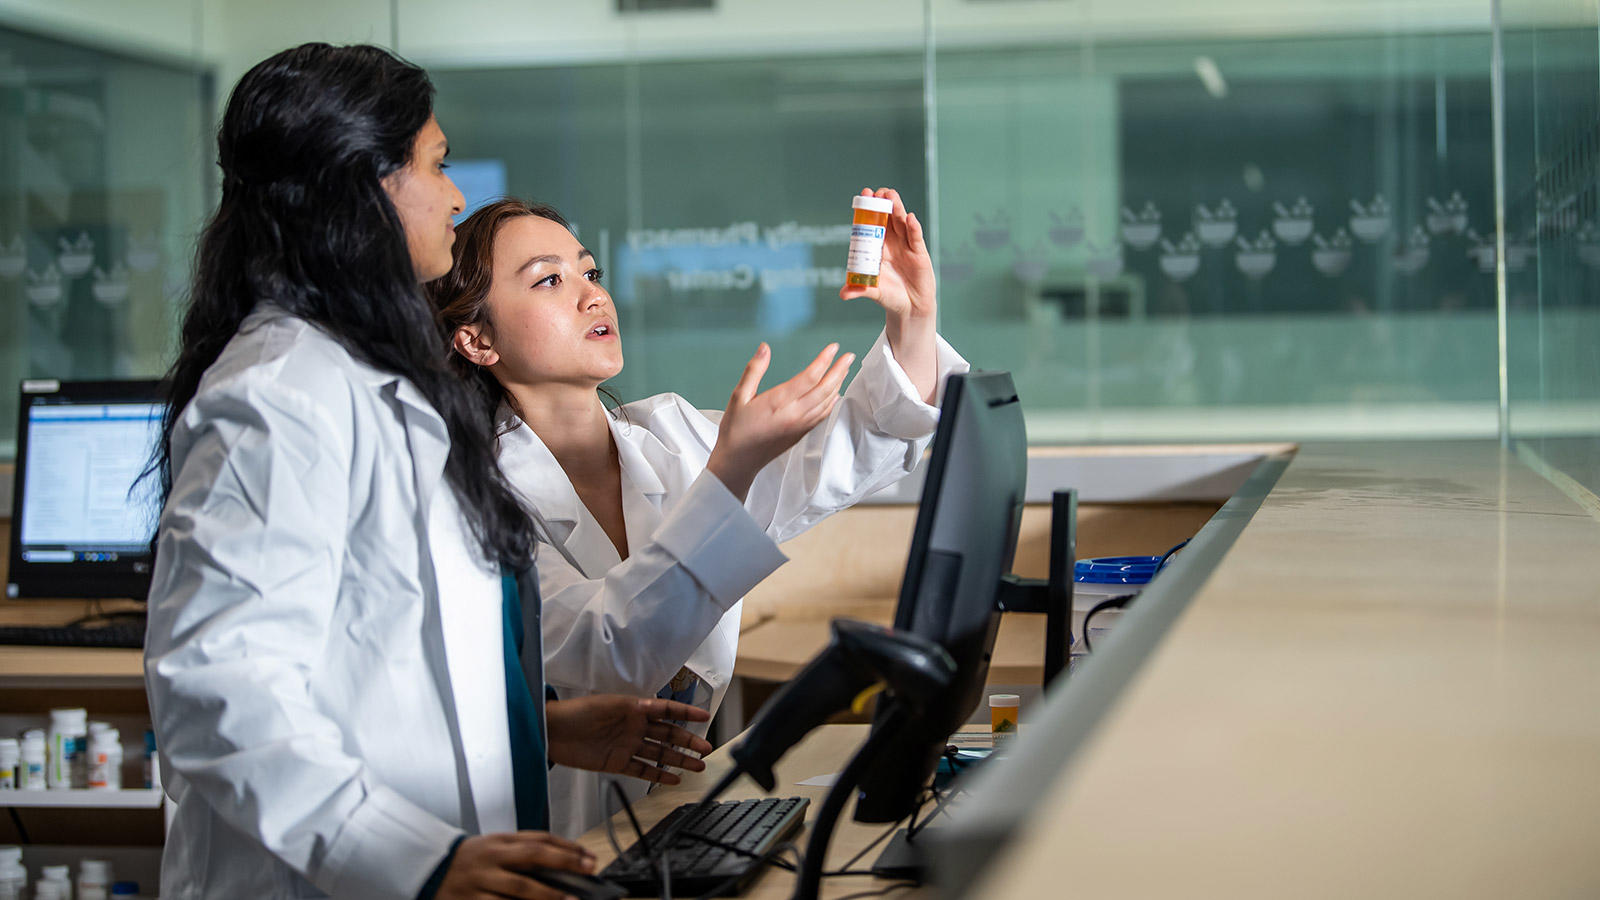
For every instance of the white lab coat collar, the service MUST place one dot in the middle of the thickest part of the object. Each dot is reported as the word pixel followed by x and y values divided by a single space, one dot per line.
pixel 558 508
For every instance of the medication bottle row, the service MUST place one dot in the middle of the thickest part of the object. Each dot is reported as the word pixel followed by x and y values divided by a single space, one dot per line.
pixel 55 882
pixel 76 753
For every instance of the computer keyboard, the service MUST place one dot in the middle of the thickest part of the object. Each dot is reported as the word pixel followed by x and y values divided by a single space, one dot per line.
pixel 115 634
pixel 700 859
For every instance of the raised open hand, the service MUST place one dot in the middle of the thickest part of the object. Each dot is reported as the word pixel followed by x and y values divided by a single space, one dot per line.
pixel 757 427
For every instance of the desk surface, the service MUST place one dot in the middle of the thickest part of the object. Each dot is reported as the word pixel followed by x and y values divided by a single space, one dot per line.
pixel 1390 686
pixel 61 666
pixel 823 752
pixel 777 650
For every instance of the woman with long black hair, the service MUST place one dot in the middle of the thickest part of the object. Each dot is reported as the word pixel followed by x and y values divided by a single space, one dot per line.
pixel 343 660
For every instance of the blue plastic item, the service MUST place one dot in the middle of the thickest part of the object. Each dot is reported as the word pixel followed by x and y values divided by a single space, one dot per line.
pixel 1116 569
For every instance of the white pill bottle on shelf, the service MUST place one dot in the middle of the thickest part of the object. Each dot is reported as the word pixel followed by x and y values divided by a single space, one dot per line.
pixel 10 761
pixel 30 772
pixel 54 882
pixel 105 759
pixel 69 732
pixel 13 875
pixel 94 880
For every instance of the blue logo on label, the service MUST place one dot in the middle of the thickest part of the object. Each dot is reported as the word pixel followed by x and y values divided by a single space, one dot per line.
pixel 867 231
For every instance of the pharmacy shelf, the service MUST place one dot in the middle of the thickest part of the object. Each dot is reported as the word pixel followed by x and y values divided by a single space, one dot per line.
pixel 85 799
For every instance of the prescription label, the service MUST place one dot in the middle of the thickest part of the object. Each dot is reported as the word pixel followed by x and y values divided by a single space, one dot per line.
pixel 866 249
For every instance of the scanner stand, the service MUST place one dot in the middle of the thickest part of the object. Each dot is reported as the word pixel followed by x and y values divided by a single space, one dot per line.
pixel 810 879
pixel 903 857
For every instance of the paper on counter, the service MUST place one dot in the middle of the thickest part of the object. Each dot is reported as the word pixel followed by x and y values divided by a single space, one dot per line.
pixel 819 780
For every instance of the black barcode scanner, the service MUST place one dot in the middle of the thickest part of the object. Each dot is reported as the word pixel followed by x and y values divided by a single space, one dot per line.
pixel 860 660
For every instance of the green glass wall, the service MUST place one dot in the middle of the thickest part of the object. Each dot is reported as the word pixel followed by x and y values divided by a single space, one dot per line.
pixel 1552 212
pixel 1170 226
pixel 102 184
pixel 1225 239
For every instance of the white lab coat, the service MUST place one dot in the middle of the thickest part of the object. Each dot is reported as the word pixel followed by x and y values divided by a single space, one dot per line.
pixel 324 659
pixel 693 552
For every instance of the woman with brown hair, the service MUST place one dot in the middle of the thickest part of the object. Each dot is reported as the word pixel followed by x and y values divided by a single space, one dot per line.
pixel 653 522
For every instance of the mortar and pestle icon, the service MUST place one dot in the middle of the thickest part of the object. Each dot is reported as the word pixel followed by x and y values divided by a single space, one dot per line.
pixel 1067 232
pixel 1218 228
pixel 1371 222
pixel 1256 260
pixel 76 257
pixel 1414 255
pixel 1180 263
pixel 1449 216
pixel 1331 257
pixel 43 289
pixel 1143 230
pixel 1294 224
pixel 111 288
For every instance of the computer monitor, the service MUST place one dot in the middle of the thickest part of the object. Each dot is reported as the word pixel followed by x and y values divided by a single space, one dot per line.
pixel 962 545
pixel 81 517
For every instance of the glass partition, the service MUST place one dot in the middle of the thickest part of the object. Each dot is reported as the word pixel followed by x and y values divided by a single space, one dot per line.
pixel 1225 239
pixel 1552 196
pixel 715 194
pixel 102 187
pixel 1259 221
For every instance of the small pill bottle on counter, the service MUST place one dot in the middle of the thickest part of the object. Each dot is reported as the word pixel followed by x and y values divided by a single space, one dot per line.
pixel 867 229
pixel 1003 710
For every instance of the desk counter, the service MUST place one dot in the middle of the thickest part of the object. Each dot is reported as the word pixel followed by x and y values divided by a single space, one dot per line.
pixel 1389 686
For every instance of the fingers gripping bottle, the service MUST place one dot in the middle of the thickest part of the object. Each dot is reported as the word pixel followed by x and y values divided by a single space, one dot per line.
pixel 867 230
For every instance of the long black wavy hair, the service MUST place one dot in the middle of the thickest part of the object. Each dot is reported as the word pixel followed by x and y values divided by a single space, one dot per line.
pixel 304 224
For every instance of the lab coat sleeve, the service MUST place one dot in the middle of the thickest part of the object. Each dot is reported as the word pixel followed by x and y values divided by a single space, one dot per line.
pixel 247 571
pixel 875 436
pixel 630 631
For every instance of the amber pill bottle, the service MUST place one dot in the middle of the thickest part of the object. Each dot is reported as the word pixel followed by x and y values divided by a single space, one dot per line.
pixel 867 228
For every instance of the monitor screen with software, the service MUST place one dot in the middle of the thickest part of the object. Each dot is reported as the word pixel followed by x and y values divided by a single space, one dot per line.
pixel 963 542
pixel 81 519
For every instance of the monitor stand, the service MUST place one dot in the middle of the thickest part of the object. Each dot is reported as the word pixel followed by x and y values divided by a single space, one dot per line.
pixel 1052 596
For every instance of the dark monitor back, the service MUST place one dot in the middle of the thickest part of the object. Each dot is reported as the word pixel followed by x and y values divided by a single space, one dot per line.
pixel 81 519
pixel 963 542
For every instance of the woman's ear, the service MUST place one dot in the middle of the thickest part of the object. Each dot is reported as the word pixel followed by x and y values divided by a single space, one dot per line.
pixel 474 343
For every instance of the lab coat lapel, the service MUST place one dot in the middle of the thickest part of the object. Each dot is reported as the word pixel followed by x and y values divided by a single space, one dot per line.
pixel 640 453
pixel 532 470
pixel 471 631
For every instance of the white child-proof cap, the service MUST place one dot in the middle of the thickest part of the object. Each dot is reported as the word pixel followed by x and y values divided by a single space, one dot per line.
pixel 875 204
pixel 97 871
pixel 71 717
pixel 1005 700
